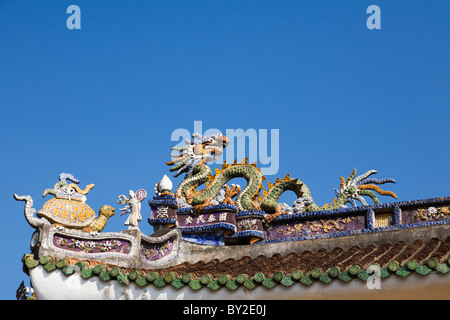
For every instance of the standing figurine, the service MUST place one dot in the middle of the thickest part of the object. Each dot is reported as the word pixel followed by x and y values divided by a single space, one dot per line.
pixel 133 207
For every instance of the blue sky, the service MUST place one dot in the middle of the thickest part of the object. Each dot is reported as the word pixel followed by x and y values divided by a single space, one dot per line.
pixel 103 101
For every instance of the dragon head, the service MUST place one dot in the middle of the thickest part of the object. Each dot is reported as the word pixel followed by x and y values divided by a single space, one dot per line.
pixel 200 149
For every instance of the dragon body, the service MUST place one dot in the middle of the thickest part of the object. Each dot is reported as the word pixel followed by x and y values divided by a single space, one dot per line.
pixel 193 158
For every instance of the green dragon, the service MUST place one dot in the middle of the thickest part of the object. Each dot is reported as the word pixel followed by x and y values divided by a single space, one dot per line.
pixel 194 156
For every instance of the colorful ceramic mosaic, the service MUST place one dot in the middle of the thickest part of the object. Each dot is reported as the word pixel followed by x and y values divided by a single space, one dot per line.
pixel 68 231
pixel 68 209
pixel 315 226
pixel 193 159
pixel 91 246
pixel 431 213
pixel 155 251
pixel 159 250
pixel 391 260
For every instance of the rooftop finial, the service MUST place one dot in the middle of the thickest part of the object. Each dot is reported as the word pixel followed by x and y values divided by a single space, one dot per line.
pixel 164 187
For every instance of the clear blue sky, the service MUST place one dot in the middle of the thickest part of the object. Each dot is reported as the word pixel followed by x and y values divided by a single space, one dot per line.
pixel 102 102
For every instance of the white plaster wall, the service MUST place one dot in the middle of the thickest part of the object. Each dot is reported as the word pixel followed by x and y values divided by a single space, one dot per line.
pixel 56 286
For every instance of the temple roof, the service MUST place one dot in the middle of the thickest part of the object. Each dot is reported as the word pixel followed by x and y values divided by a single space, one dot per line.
pixel 324 261
pixel 398 259
pixel 404 240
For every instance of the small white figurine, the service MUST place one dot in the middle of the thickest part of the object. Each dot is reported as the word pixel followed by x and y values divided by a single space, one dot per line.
pixel 133 207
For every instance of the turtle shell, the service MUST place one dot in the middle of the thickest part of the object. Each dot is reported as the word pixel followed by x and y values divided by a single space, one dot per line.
pixel 69 213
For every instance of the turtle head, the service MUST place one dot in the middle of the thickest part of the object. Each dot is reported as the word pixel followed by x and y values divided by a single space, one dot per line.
pixel 107 211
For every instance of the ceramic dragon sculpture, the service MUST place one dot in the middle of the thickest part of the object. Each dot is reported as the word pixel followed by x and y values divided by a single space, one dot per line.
pixel 192 159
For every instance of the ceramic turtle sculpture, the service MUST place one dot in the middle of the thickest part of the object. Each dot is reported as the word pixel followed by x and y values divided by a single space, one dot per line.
pixel 68 208
pixel 75 214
